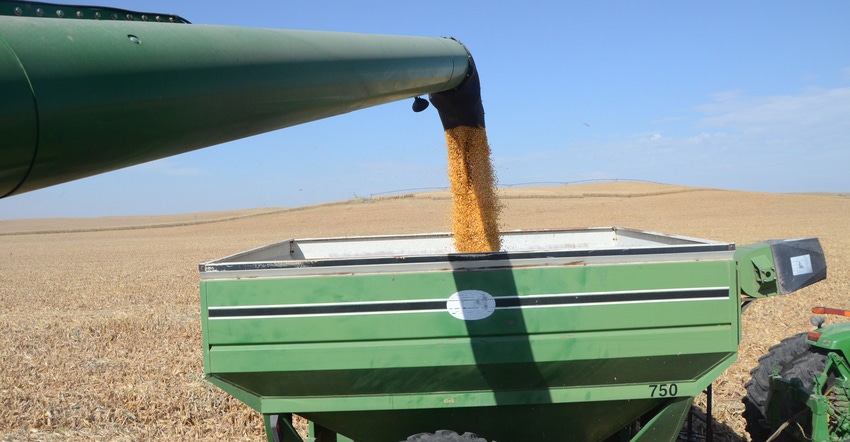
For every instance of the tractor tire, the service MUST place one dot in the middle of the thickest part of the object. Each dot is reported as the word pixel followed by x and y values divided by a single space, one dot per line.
pixel 445 436
pixel 791 358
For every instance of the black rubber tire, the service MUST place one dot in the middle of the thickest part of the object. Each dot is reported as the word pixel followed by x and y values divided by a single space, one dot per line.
pixel 445 436
pixel 791 358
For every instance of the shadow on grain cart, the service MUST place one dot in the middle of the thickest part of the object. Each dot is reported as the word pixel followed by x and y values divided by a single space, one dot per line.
pixel 587 335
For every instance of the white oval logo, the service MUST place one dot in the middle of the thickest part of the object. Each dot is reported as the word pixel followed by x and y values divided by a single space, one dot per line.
pixel 471 305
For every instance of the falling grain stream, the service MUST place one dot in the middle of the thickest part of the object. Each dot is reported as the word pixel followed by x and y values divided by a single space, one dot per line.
pixel 475 205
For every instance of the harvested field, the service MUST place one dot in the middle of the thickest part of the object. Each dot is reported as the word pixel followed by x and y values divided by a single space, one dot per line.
pixel 99 319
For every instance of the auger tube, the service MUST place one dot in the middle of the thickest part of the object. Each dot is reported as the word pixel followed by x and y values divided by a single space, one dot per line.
pixel 83 96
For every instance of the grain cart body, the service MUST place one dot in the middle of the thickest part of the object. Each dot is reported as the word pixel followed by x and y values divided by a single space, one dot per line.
pixel 563 335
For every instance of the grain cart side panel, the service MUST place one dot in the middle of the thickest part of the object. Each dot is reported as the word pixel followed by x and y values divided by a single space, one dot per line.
pixel 380 347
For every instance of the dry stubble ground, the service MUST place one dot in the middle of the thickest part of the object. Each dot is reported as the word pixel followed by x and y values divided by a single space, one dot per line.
pixel 99 328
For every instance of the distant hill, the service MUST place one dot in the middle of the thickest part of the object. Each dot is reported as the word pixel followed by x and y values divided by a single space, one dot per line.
pixel 61 225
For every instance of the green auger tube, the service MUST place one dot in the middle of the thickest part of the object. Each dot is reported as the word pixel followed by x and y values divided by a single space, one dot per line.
pixel 89 90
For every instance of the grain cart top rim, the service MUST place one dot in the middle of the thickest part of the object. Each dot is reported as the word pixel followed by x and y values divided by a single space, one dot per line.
pixel 435 252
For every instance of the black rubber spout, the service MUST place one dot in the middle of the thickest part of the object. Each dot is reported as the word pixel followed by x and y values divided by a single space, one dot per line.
pixel 462 105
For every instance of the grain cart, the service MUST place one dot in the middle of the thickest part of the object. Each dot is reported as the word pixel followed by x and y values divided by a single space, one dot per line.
pixel 585 335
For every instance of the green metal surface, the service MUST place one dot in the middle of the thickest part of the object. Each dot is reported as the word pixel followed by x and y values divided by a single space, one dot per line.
pixel 665 425
pixel 279 428
pixel 18 119
pixel 498 282
pixel 830 398
pixel 821 413
pixel 805 412
pixel 780 267
pixel 106 94
pixel 575 371
pixel 319 433
pixel 834 337
pixel 757 271
pixel 77 12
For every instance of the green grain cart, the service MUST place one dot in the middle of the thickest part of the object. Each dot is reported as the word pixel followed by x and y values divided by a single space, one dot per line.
pixel 585 335
pixel 589 335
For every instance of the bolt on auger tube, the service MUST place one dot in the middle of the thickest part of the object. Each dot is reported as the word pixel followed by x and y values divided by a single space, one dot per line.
pixel 84 95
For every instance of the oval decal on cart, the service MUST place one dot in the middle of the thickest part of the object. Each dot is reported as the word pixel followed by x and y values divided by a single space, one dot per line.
pixel 471 305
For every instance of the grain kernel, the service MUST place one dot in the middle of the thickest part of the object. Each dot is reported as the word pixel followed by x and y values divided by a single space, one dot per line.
pixel 475 206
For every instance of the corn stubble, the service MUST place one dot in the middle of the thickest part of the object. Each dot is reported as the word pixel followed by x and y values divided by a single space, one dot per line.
pixel 100 331
pixel 475 205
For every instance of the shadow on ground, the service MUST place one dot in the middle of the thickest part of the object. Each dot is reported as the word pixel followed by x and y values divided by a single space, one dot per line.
pixel 696 423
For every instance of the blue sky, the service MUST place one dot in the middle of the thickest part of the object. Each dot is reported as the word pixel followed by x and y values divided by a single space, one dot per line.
pixel 735 95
